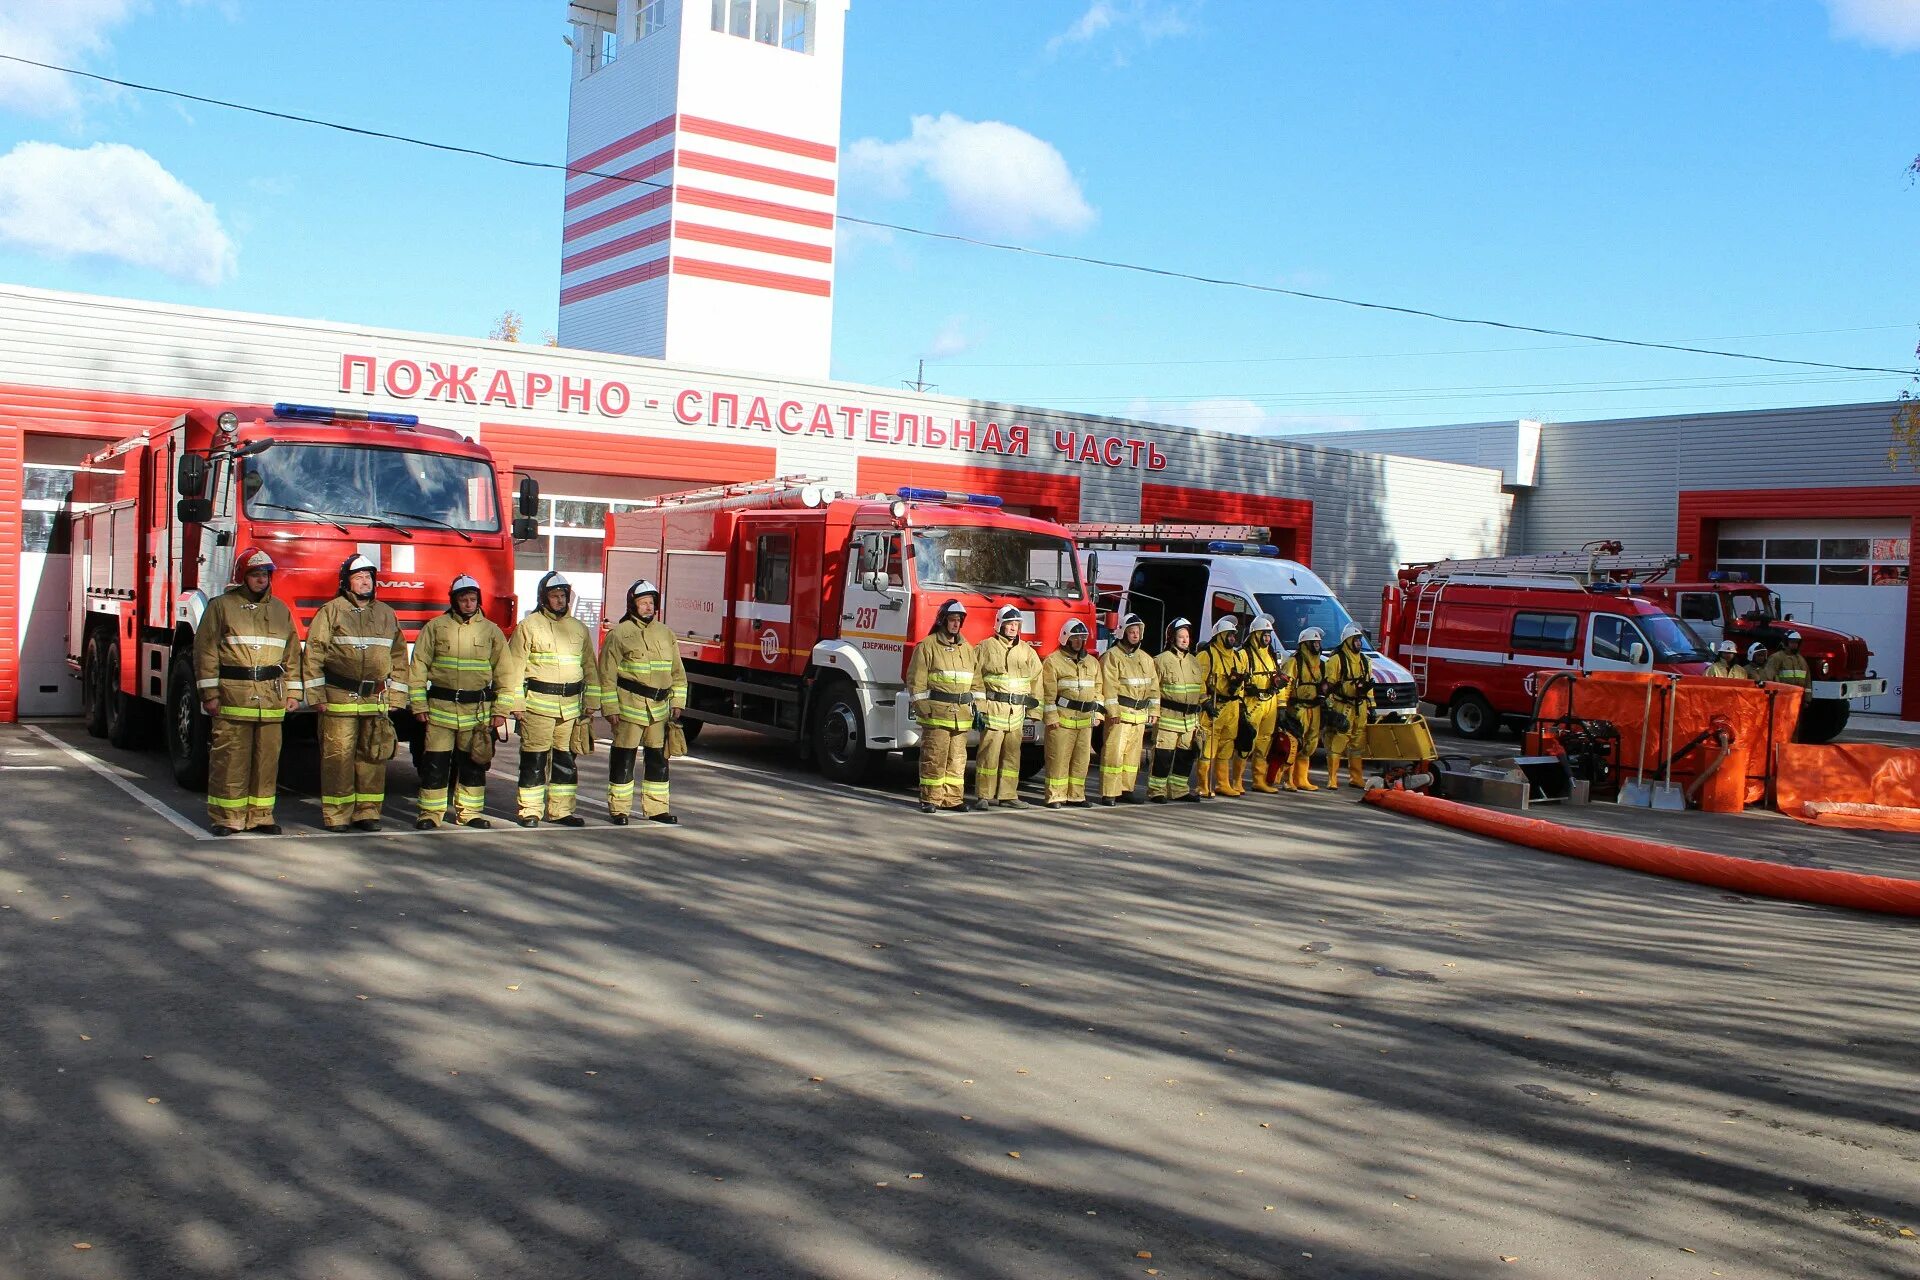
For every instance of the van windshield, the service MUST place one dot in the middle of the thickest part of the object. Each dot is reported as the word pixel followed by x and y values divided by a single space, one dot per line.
pixel 1293 614
pixel 1672 640
pixel 990 561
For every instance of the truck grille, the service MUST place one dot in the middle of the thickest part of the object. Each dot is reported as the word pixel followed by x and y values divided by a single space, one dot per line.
pixel 1395 696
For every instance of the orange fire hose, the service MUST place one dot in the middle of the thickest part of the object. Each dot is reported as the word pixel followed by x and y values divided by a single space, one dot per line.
pixel 1885 894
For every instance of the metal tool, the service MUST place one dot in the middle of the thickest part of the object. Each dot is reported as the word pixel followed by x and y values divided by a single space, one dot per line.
pixel 1635 792
pixel 1668 796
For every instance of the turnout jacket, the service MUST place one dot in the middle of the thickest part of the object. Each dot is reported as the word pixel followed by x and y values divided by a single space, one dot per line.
pixel 246 654
pixel 1007 674
pixel 452 678
pixel 1724 670
pixel 1180 683
pixel 642 680
pixel 1070 689
pixel 1788 668
pixel 549 668
pixel 1351 675
pixel 940 680
pixel 356 662
pixel 1305 674
pixel 1130 685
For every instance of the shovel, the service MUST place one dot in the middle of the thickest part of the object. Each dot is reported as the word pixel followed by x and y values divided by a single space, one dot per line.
pixel 1636 792
pixel 1668 796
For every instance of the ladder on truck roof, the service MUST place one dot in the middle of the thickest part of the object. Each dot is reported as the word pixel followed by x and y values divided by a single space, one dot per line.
pixel 747 493
pixel 1586 568
pixel 1169 537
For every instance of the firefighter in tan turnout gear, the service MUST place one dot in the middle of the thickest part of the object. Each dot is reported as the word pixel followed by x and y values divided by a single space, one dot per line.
pixel 1726 666
pixel 1173 734
pixel 1786 664
pixel 1260 703
pixel 940 683
pixel 1350 695
pixel 1008 678
pixel 643 689
pixel 1070 698
pixel 549 683
pixel 1223 673
pixel 241 652
pixel 451 690
pixel 356 669
pixel 1305 672
pixel 1130 686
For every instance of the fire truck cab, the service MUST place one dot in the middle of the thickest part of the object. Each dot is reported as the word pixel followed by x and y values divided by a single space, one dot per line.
pixel 798 608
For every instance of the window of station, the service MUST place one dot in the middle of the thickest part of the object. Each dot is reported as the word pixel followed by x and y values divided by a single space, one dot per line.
pixel 1846 561
pixel 572 535
pixel 788 24
pixel 652 16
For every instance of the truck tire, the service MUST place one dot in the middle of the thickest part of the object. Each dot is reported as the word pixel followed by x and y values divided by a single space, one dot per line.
pixel 1032 760
pixel 1822 719
pixel 189 731
pixel 93 703
pixel 839 734
pixel 1473 716
pixel 690 729
pixel 125 714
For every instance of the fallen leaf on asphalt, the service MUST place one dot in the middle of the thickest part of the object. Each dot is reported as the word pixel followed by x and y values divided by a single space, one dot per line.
pixel 593 1073
pixel 86 1037
pixel 1684 1249
pixel 1014 1155
pixel 1020 1071
pixel 513 986
pixel 151 1101
pixel 1412 1196
pixel 1508 1257
pixel 1267 1207
pixel 1143 1253
pixel 1153 1271
pixel 966 1082
pixel 879 1184
pixel 363 997
pixel 817 1079
pixel 915 1177
pixel 966 1117
pixel 1265 1125
pixel 1907 1232
pixel 82 1244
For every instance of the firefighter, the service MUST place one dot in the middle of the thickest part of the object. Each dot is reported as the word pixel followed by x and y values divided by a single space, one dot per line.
pixel 1306 675
pixel 1756 658
pixel 549 683
pixel 1260 701
pixel 1785 663
pixel 1727 665
pixel 240 654
pixel 1350 693
pixel 451 690
pixel 1070 698
pixel 1130 687
pixel 1179 723
pixel 940 679
pixel 356 668
pixel 643 688
pixel 1223 674
pixel 1008 673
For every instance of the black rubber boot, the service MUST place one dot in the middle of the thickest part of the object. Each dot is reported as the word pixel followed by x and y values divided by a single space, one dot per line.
pixel 424 824
pixel 665 819
pixel 617 819
pixel 571 820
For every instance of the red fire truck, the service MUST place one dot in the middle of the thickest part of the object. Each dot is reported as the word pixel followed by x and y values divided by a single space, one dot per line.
pixel 158 517
pixel 798 607
pixel 1474 631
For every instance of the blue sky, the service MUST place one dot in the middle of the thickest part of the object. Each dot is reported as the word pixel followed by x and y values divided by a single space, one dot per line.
pixel 1679 171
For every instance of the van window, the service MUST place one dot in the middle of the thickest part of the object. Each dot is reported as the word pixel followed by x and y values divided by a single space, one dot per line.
pixel 1545 632
pixel 1614 638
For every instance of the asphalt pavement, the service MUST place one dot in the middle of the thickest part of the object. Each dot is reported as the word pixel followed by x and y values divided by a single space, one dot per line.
pixel 813 1033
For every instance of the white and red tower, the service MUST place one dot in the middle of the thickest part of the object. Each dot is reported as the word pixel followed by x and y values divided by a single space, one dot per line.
pixel 712 242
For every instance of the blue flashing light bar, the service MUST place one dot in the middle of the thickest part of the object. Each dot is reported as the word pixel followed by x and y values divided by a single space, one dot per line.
pixel 1266 549
pixel 910 494
pixel 921 495
pixel 1728 575
pixel 984 500
pixel 323 413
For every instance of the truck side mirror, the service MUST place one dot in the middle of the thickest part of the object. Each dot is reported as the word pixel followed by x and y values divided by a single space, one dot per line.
pixel 190 477
pixel 194 510
pixel 1636 653
pixel 1093 567
pixel 525 528
pixel 529 502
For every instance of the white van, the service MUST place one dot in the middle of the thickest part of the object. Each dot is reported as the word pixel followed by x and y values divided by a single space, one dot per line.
pixel 1218 578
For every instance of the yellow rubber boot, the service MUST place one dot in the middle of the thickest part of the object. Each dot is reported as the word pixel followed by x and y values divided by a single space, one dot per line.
pixel 1333 772
pixel 1302 781
pixel 1223 776
pixel 1356 773
pixel 1203 779
pixel 1239 773
pixel 1257 778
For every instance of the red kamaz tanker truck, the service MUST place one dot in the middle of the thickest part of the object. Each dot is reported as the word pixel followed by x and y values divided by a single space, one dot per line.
pixel 158 517
pixel 798 608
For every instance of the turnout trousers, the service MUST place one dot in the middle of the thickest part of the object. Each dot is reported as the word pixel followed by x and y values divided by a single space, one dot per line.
pixel 352 787
pixel 1351 745
pixel 943 766
pixel 996 771
pixel 1261 714
pixel 1173 753
pixel 1120 757
pixel 549 778
pixel 1221 732
pixel 243 770
pixel 1306 744
pixel 645 745
pixel 1069 752
pixel 456 759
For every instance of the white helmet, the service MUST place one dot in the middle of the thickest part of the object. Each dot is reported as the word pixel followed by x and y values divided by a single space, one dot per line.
pixel 1074 627
pixel 1008 613
pixel 1349 631
pixel 460 584
pixel 1756 650
pixel 1259 624
pixel 1224 625
pixel 1727 647
pixel 1314 634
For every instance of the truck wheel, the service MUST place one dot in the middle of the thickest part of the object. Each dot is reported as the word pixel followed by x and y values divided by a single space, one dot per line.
pixel 1032 760
pixel 93 706
pixel 124 714
pixel 839 734
pixel 1822 719
pixel 690 729
pixel 1473 716
pixel 188 729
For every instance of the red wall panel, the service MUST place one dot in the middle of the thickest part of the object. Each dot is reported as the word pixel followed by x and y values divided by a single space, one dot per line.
pixel 1047 495
pixel 602 453
pixel 1291 519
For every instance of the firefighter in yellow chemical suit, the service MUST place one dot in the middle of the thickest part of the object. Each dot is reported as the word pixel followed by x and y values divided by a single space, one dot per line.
pixel 1130 687
pixel 1007 680
pixel 549 683
pixel 1070 706
pixel 1260 701
pixel 1305 672
pixel 1785 664
pixel 241 655
pixel 1349 692
pixel 1179 723
pixel 356 671
pixel 1223 673
pixel 940 679
pixel 451 690
pixel 1727 665
pixel 643 689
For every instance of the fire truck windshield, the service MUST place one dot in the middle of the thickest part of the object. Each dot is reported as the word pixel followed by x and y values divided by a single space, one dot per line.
pixel 991 561
pixel 1293 614
pixel 373 486
pixel 1756 606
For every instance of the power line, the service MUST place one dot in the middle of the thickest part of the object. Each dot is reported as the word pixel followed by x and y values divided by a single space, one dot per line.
pixel 1165 273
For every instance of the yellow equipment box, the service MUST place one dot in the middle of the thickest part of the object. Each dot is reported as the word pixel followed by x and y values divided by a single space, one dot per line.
pixel 1405 737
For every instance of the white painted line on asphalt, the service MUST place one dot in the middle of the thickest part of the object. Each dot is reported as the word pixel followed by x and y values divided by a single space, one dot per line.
pixel 28 768
pixel 114 776
pixel 843 789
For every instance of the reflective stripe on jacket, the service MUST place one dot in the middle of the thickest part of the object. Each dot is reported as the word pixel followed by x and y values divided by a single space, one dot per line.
pixel 1065 680
pixel 940 678
pixel 646 654
pixel 1131 676
pixel 556 652
pixel 1007 678
pixel 1724 670
pixel 1181 681
pixel 455 656
pixel 358 645
pixel 1790 668
pixel 237 634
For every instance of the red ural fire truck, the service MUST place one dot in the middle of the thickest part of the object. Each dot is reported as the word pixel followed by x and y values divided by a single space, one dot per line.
pixel 158 517
pixel 798 608
pixel 1474 631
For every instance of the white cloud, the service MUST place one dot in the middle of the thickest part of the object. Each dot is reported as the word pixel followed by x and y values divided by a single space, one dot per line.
pixel 995 177
pixel 1144 20
pixel 66 32
pixel 110 201
pixel 954 338
pixel 1228 413
pixel 1891 24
